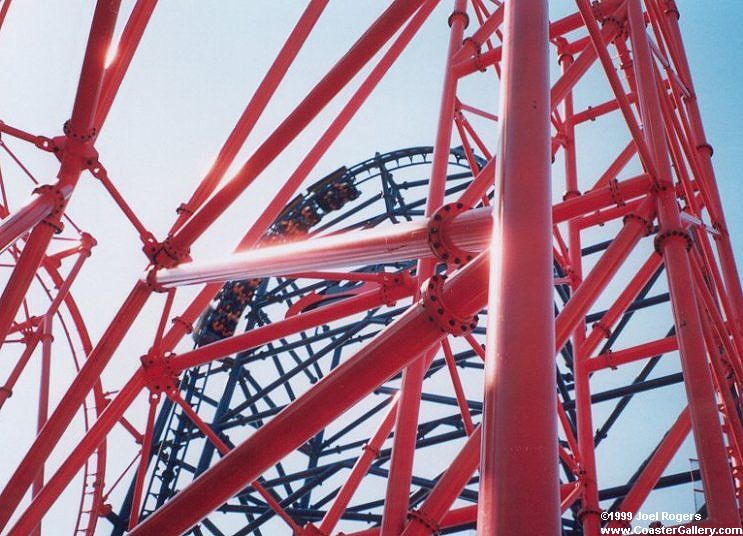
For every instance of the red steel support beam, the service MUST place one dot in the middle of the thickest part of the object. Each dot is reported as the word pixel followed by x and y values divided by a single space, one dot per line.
pixel 6 390
pixel 602 328
pixel 128 43
pixel 456 381
pixel 78 136
pixel 397 495
pixel 619 163
pixel 223 449
pixel 649 476
pixel 566 321
pixel 404 241
pixel 4 11
pixel 616 84
pixel 33 339
pixel 204 354
pixel 614 359
pixel 144 460
pixel 466 515
pixel 518 469
pixel 473 44
pixel 591 201
pixel 386 25
pixel 67 408
pixel 26 217
pixel 360 468
pixel 713 462
pixel 446 490
pixel 39 141
pixel 594 112
pixel 704 151
pixel 288 326
pixel 46 362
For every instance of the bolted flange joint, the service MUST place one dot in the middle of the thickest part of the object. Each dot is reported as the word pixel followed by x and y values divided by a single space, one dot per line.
pixel 636 217
pixel 186 325
pixel 152 281
pixel 476 52
pixel 391 281
pixel 721 230
pixel 166 254
pixel 428 522
pixel 706 147
pixel 442 315
pixel 675 234
pixel 583 512
pixel 87 243
pixel 79 136
pixel 671 9
pixel 159 374
pixel 603 328
pixel 183 208
pixel 438 239
pixel 616 194
pixel 375 451
pixel 605 12
pixel 459 14
pixel 58 198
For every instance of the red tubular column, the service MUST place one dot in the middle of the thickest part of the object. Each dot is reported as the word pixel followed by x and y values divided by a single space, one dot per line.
pixel 407 338
pixel 446 490
pixel 672 244
pixel 406 426
pixel 128 44
pixel 46 362
pixel 704 150
pixel 653 470
pixel 589 514
pixel 360 468
pixel 519 491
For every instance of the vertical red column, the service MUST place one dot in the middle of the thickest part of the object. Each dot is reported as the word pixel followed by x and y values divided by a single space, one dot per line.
pixel 672 242
pixel 46 363
pixel 589 514
pixel 704 150
pixel 406 424
pixel 518 472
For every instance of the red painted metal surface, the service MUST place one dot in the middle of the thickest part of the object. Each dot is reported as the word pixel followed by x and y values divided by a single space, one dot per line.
pixel 534 452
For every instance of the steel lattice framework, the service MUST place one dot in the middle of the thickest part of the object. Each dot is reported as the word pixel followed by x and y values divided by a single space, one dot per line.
pixel 425 342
